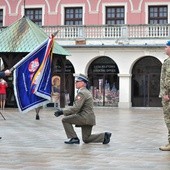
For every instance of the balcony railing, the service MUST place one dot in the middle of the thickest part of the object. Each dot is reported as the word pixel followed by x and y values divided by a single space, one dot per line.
pixel 109 32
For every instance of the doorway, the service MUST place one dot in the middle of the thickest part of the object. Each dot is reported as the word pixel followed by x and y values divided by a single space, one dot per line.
pixel 146 82
pixel 104 82
pixel 69 84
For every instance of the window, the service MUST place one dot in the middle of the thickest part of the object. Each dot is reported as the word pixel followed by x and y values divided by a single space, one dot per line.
pixel 115 15
pixel 34 15
pixel 158 14
pixel 1 17
pixel 73 16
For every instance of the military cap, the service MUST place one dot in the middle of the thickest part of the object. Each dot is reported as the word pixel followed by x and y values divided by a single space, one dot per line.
pixel 168 43
pixel 81 77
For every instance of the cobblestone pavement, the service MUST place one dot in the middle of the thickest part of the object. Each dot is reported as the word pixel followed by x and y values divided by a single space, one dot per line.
pixel 32 144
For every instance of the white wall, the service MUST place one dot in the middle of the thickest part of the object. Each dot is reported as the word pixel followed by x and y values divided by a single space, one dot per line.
pixel 125 58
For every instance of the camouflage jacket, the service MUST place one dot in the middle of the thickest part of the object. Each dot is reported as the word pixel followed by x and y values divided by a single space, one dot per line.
pixel 165 78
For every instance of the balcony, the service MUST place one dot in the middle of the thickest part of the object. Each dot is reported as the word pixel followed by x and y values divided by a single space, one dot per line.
pixel 127 35
pixel 111 35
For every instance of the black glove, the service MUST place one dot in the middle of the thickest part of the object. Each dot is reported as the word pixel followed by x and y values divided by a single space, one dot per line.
pixel 58 113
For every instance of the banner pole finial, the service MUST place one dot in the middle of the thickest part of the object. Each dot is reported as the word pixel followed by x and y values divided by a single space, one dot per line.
pixel 55 33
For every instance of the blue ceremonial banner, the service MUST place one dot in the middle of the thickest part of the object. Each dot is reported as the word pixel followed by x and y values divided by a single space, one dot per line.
pixel 32 78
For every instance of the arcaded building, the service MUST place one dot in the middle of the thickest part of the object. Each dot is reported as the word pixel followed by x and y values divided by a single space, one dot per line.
pixel 118 44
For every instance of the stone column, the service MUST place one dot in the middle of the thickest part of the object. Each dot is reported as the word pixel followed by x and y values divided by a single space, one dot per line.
pixel 124 91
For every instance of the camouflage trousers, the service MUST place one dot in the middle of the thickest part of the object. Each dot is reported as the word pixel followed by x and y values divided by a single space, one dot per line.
pixel 166 111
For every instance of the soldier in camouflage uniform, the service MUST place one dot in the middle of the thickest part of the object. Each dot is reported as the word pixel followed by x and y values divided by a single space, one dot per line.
pixel 81 114
pixel 165 93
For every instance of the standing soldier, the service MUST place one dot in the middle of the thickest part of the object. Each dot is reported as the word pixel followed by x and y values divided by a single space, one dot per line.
pixel 81 114
pixel 165 93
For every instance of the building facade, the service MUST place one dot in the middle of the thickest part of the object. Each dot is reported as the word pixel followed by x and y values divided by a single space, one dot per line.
pixel 118 44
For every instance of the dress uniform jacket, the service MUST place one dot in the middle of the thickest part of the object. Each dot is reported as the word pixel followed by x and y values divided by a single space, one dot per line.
pixel 83 107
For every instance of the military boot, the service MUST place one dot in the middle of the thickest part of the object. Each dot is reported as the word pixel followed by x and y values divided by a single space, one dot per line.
pixel 165 148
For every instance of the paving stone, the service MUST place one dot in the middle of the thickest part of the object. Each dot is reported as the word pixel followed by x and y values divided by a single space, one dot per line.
pixel 137 133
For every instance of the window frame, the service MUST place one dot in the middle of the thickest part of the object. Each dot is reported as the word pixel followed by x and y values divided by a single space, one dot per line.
pixel 114 4
pixel 34 19
pixel 63 6
pixel 1 20
pixel 33 7
pixel 73 19
pixel 147 4
pixel 115 19
pixel 157 18
pixel 3 15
